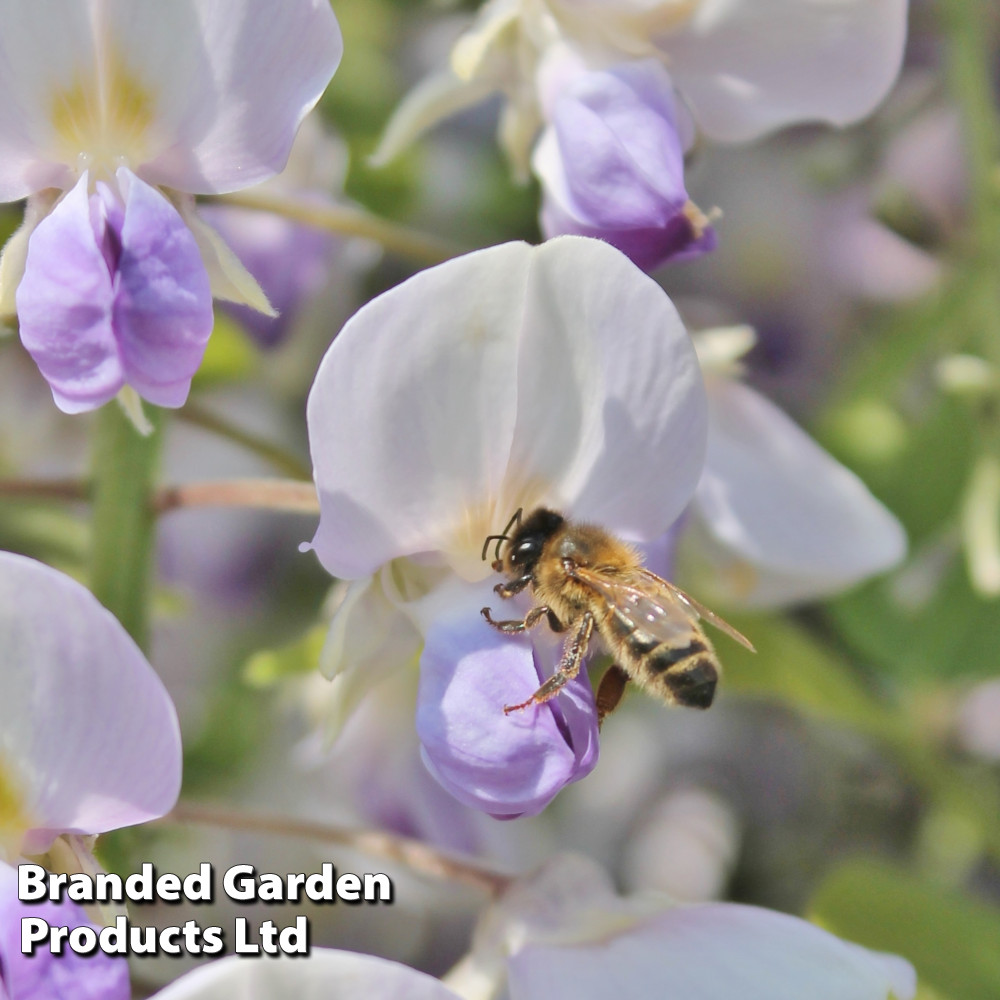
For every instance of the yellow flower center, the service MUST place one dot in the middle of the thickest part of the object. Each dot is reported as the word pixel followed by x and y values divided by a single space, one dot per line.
pixel 14 819
pixel 103 121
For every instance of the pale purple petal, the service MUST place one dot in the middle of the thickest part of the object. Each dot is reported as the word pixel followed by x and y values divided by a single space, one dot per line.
pixel 611 165
pixel 44 976
pixel 233 79
pixel 65 302
pixel 163 305
pixel 746 67
pixel 804 524
pixel 648 248
pixel 91 740
pixel 505 765
pixel 325 972
pixel 711 952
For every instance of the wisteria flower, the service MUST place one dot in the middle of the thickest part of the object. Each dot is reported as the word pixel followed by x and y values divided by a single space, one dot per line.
pixel 775 519
pixel 43 975
pixel 740 69
pixel 511 377
pixel 116 113
pixel 89 740
pixel 565 932
pixel 611 163
pixel 323 972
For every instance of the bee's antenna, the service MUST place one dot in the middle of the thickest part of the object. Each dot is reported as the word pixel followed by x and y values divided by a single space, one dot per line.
pixel 516 519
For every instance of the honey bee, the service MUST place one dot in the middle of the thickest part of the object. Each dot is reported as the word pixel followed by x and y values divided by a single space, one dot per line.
pixel 585 581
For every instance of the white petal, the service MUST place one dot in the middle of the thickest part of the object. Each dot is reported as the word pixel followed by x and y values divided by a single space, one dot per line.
pixel 411 414
pixel 749 66
pixel 611 406
pixel 369 639
pixel 325 974
pixel 46 48
pixel 231 81
pixel 773 499
pixel 712 952
pixel 88 734
pixel 511 376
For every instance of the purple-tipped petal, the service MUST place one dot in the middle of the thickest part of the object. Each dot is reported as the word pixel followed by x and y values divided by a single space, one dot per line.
pixel 65 303
pixel 44 976
pixel 506 765
pixel 163 304
pixel 113 292
pixel 91 740
pixel 612 166
pixel 680 238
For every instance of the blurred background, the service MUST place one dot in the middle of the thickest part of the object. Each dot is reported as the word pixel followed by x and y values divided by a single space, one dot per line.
pixel 850 771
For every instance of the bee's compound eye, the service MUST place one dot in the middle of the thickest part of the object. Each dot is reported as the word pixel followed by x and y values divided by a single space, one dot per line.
pixel 525 552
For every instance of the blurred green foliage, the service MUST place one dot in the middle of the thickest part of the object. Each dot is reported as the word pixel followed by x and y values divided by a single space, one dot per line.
pixel 953 941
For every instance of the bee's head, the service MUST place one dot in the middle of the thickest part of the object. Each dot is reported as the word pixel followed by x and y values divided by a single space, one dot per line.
pixel 524 546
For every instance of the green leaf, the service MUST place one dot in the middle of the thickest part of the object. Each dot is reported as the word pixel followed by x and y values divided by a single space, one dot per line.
pixel 951 940
pixel 954 634
pixel 229 356
pixel 237 725
pixel 268 666
pixel 792 667
pixel 948 631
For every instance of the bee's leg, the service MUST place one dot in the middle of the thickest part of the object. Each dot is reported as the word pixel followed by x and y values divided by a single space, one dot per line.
pixel 512 587
pixel 610 691
pixel 531 619
pixel 569 666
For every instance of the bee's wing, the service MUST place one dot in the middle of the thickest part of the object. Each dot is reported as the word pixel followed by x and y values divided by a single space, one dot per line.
pixel 654 604
pixel 702 612
pixel 642 600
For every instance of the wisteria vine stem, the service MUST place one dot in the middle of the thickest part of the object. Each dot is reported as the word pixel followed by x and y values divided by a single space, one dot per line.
pixel 344 220
pixel 420 857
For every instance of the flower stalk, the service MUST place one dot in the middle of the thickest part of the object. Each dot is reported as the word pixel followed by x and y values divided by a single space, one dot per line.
pixel 341 220
pixel 269 494
pixel 415 854
pixel 125 464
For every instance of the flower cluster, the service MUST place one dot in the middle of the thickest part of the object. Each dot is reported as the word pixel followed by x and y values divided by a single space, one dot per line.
pixel 562 932
pixel 469 395
pixel 116 115
pixel 583 393
pixel 604 98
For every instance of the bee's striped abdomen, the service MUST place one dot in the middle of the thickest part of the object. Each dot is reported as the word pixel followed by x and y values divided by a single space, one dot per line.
pixel 688 672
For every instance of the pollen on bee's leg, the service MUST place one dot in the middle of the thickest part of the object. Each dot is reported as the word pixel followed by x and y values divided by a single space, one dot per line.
pixel 610 692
